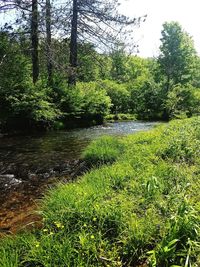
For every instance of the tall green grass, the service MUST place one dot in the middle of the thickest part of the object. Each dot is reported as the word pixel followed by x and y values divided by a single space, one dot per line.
pixel 141 208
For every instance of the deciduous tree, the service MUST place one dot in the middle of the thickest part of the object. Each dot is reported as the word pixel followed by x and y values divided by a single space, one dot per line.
pixel 177 55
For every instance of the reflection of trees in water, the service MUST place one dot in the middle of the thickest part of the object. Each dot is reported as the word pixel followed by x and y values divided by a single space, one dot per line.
pixel 23 155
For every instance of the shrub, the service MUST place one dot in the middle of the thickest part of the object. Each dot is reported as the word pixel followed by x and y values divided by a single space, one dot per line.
pixel 29 105
pixel 85 101
pixel 183 101
pixel 118 94
pixel 120 117
pixel 146 98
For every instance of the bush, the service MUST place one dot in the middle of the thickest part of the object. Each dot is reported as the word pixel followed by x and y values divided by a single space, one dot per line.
pixel 29 106
pixel 85 101
pixel 183 101
pixel 118 94
pixel 146 98
pixel 120 117
pixel 22 104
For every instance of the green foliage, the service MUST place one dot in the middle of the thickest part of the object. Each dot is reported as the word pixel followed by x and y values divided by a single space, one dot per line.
pixel 120 117
pixel 181 146
pixel 15 68
pixel 118 70
pixel 183 101
pixel 104 150
pixel 139 67
pixel 28 104
pixel 88 69
pixel 20 100
pixel 84 101
pixel 127 68
pixel 23 105
pixel 104 64
pixel 178 57
pixel 32 102
pixel 142 209
pixel 118 94
pixel 182 226
pixel 146 98
pixel 114 83
pixel 196 76
pixel 96 101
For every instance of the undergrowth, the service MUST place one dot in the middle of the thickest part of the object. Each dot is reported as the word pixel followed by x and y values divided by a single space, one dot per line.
pixel 141 209
pixel 120 117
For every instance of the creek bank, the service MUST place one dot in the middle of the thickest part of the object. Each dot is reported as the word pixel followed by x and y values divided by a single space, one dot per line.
pixel 21 190
pixel 30 164
pixel 16 126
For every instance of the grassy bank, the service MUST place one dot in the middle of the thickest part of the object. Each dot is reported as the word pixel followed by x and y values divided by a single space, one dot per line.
pixel 140 205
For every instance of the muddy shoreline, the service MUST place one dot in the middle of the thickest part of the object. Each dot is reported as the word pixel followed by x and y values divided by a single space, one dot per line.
pixel 22 193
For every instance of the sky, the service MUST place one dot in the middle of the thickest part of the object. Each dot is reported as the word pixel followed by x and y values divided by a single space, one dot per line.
pixel 186 12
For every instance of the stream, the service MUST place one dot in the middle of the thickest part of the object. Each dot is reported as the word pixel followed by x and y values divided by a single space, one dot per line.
pixel 29 165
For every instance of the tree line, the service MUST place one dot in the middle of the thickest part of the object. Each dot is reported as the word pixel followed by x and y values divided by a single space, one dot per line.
pixel 66 63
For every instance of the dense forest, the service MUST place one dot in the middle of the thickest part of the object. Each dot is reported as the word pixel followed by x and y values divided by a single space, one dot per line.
pixel 63 65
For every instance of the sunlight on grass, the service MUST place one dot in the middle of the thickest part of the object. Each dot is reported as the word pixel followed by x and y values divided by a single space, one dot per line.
pixel 142 207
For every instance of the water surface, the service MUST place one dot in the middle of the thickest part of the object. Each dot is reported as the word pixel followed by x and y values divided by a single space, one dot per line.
pixel 53 147
pixel 29 164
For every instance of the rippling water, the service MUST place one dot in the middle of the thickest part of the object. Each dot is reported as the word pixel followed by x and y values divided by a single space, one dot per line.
pixel 29 164
pixel 53 147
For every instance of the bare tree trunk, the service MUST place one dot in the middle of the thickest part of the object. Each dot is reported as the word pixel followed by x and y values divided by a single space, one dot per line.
pixel 34 39
pixel 73 46
pixel 48 34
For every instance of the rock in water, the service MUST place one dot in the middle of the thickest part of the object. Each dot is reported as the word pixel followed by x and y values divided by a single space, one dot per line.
pixel 8 180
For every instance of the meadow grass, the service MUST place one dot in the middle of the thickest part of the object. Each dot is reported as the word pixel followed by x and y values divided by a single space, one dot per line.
pixel 139 205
